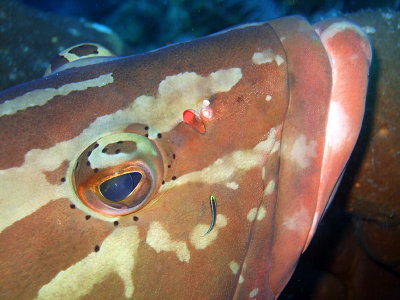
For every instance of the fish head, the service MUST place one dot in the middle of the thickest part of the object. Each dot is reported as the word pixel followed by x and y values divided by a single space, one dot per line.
pixel 107 167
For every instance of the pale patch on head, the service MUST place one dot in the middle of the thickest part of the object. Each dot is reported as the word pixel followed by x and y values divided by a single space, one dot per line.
pixel 268 98
pixel 27 185
pixel 338 27
pixel 233 164
pixel 117 255
pixel 251 216
pixel 201 241
pixel 253 293
pixel 158 239
pixel 270 187
pixel 40 97
pixel 100 160
pixel 298 221
pixel 279 59
pixel 177 93
pixel 276 147
pixel 232 185
pixel 234 266
pixel 301 151
pixel 241 279
pixel 267 56
pixel 261 213
pixel 338 129
pixel 79 63
pixel 256 213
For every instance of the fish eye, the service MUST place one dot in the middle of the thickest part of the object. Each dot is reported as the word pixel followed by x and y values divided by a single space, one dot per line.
pixel 119 187
pixel 118 174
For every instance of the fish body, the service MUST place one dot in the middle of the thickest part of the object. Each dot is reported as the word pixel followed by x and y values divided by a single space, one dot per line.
pixel 102 178
pixel 213 205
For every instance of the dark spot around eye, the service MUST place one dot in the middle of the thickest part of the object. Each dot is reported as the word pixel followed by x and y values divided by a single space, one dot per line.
pixel 146 135
pixel 135 218
pixel 88 163
pixel 159 135
pixel 163 182
pixel 63 179
pixel 87 217
pixel 72 206
pixel 146 128
pixel 116 223
pixel 173 177
pixel 97 248
pixel 169 166
pixel 90 152
pixel 96 145
pixel 173 156
pixel 119 142
pixel 104 150
pixel 96 170
pixel 117 151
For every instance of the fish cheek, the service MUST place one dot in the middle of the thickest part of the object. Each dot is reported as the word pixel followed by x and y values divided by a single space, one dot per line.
pixel 45 243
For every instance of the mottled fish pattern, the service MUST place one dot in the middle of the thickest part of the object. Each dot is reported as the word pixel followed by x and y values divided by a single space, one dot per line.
pixel 107 164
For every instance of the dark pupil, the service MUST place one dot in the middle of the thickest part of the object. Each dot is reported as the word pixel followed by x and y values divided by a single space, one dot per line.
pixel 118 188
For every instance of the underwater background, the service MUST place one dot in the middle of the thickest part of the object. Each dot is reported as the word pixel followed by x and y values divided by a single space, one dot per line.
pixel 33 31
pixel 145 25
pixel 340 262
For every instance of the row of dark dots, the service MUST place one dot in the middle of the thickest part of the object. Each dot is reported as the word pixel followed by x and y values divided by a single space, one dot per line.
pixel 173 155
pixel 116 151
pixel 94 170
pixel 135 218
pixel 88 164
pixel 173 178
pixel 90 152
pixel 159 135
pixel 116 223
pixel 87 217
pixel 97 247
pixel 169 166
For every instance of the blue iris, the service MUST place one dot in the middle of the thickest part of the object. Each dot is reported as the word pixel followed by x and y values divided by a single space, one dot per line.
pixel 118 188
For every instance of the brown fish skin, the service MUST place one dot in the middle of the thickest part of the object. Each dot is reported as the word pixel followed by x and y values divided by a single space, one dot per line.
pixel 267 154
